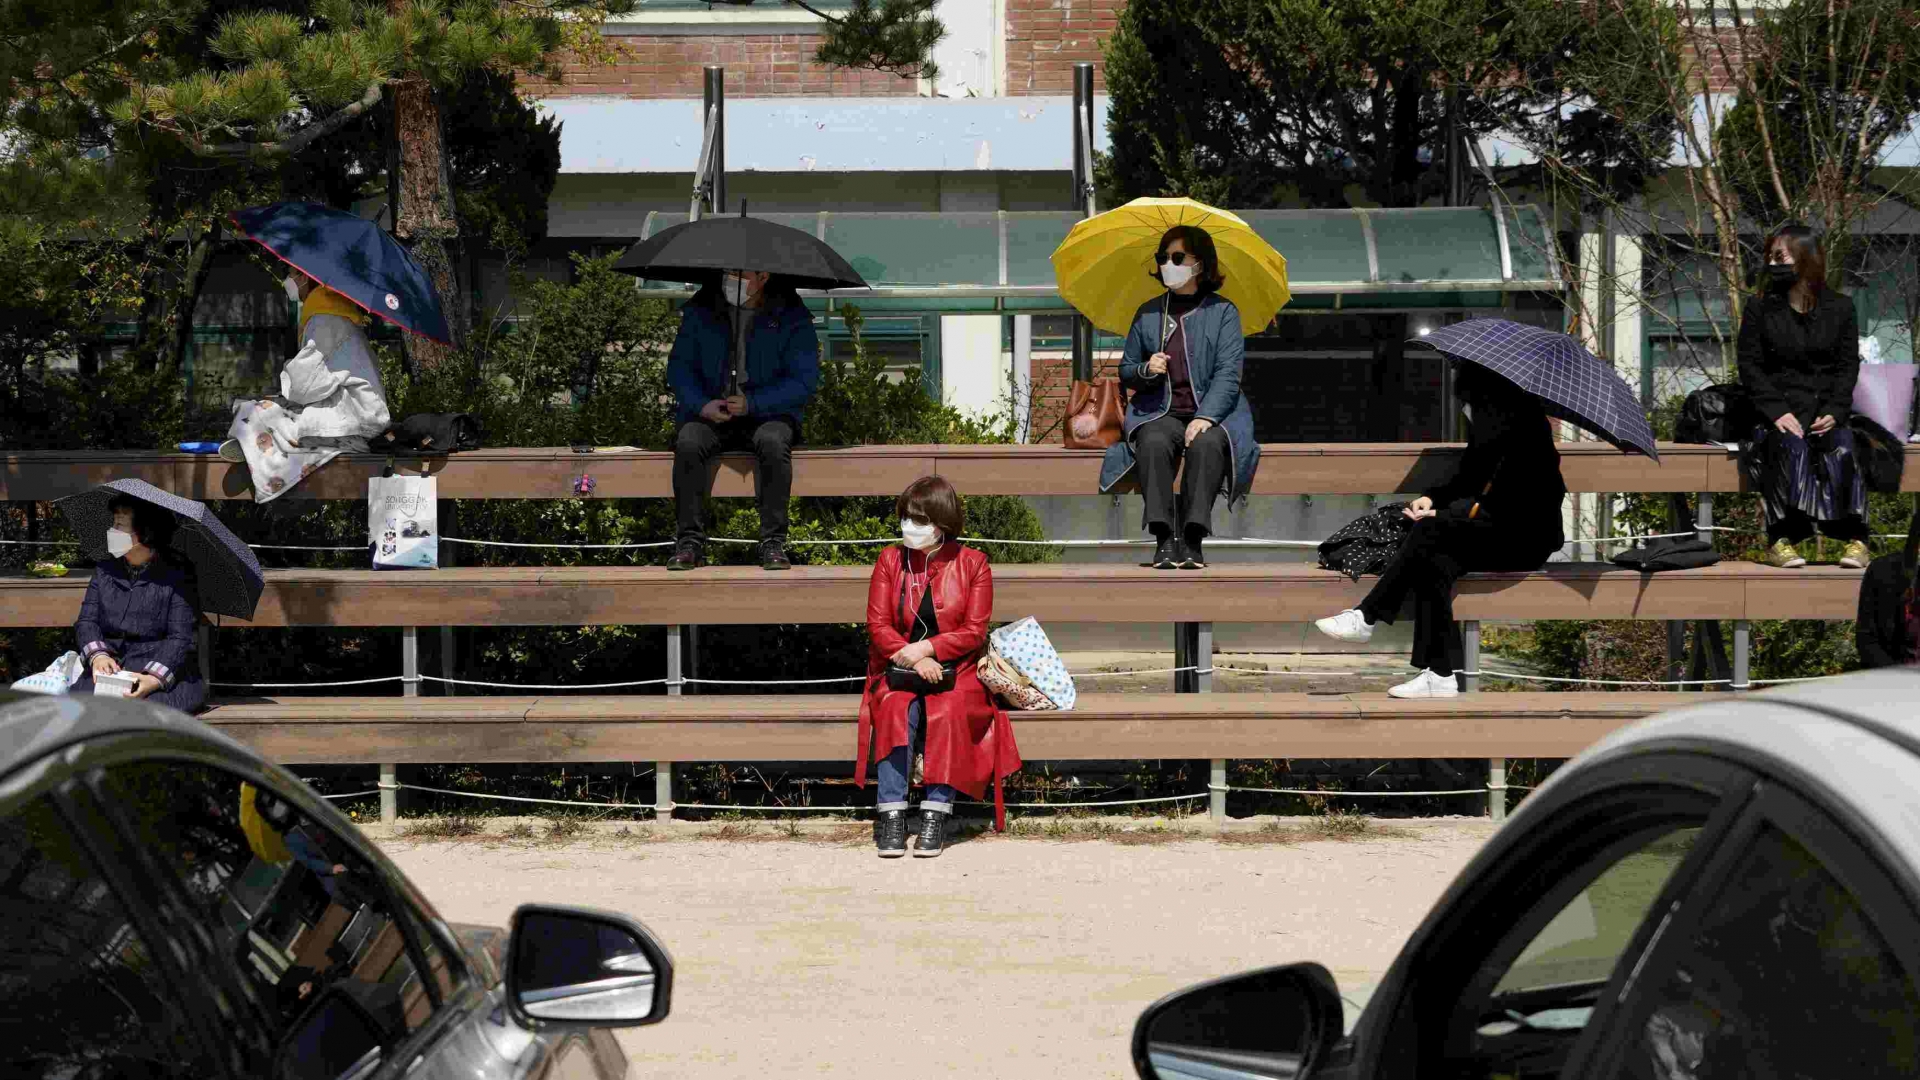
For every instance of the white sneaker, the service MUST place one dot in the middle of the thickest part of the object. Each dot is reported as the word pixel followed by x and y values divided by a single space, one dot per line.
pixel 1426 685
pixel 1349 625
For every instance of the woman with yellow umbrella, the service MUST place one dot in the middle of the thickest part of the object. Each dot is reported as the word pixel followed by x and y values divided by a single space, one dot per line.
pixel 1185 283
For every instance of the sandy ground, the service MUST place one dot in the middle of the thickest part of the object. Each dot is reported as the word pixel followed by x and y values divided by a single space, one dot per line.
pixel 1006 957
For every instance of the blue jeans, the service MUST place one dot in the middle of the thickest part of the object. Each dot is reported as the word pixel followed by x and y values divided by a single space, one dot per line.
pixel 896 770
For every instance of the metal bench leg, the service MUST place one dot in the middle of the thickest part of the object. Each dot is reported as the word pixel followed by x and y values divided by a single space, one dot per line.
pixel 663 770
pixel 1217 791
pixel 409 688
pixel 663 791
pixel 1497 789
pixel 1742 654
pixel 1470 683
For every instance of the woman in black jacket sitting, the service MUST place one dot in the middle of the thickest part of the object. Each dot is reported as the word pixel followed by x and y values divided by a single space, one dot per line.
pixel 1500 512
pixel 1887 630
pixel 1799 352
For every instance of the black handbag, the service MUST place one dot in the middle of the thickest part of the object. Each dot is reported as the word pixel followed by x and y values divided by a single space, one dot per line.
pixel 905 678
pixel 1722 413
pixel 430 434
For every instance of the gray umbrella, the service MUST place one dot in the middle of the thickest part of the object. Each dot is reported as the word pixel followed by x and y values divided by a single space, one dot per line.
pixel 230 579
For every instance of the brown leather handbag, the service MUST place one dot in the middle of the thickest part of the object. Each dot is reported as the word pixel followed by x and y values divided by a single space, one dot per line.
pixel 1093 414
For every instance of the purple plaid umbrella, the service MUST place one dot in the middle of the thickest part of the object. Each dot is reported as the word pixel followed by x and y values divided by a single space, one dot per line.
pixel 1573 384
pixel 227 575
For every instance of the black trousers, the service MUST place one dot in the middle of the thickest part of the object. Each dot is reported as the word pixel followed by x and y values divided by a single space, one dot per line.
pixel 1428 566
pixel 698 443
pixel 1158 446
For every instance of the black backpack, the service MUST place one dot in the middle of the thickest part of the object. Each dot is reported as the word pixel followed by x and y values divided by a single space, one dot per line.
pixel 1722 413
pixel 431 434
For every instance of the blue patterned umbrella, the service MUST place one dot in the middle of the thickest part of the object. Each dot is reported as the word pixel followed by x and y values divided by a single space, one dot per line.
pixel 353 257
pixel 1572 383
pixel 229 577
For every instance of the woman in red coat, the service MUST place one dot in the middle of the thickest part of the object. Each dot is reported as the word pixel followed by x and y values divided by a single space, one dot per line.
pixel 927 610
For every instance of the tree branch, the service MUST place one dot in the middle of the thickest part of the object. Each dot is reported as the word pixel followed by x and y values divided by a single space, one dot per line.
pixel 299 141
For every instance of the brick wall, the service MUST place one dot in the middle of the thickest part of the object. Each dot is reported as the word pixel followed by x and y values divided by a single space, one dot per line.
pixel 1045 38
pixel 759 65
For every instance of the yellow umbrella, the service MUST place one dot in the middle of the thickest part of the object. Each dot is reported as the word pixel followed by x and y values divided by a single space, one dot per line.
pixel 1105 265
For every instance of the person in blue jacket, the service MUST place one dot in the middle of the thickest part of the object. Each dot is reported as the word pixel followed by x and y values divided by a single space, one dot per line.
pixel 1182 366
pixel 141 614
pixel 757 409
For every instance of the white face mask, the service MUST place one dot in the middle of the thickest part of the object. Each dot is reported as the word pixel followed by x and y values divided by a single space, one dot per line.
pixel 919 537
pixel 1175 276
pixel 119 542
pixel 734 287
pixel 292 285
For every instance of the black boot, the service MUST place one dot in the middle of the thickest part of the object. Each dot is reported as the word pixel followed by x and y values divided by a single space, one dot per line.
pixel 688 555
pixel 933 834
pixel 773 555
pixel 890 833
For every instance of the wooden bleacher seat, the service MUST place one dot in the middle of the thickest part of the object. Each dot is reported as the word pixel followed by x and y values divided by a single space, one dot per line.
pixel 1051 592
pixel 548 472
pixel 821 727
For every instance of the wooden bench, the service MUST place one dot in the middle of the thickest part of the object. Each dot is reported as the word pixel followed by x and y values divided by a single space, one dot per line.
pixel 1051 592
pixel 549 472
pixel 1102 727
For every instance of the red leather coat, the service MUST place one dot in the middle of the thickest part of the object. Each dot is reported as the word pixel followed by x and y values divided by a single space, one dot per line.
pixel 968 738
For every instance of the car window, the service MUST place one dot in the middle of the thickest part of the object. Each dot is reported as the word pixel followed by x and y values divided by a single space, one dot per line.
pixel 1586 939
pixel 1785 975
pixel 80 995
pixel 291 906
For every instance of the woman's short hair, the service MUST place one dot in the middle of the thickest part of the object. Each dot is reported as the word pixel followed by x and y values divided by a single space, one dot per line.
pixel 1200 246
pixel 152 526
pixel 1809 258
pixel 932 500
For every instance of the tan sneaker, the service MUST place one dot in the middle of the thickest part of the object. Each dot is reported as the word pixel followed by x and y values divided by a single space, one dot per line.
pixel 1856 556
pixel 1785 556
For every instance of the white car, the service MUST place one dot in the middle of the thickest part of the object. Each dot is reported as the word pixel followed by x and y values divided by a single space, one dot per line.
pixel 1731 889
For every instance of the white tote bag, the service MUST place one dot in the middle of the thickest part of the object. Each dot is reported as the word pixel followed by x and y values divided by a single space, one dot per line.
pixel 1024 645
pixel 403 522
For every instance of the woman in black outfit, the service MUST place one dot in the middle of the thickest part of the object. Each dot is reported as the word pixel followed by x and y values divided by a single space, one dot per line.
pixel 1799 352
pixel 1500 512
pixel 1887 630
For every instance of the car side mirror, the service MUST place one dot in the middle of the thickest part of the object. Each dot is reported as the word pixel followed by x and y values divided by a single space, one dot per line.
pixel 337 1038
pixel 570 965
pixel 1273 1024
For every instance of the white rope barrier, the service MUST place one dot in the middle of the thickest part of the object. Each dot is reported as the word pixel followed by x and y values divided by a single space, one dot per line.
pixel 546 686
pixel 294 685
pixel 1355 794
pixel 1596 682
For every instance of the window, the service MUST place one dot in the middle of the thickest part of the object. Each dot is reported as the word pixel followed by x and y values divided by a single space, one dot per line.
pixel 290 905
pixel 80 994
pixel 1785 975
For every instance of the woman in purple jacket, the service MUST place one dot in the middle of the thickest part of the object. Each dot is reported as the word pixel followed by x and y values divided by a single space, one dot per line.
pixel 141 612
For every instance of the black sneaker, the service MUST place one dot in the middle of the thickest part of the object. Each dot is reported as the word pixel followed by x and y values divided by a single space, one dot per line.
pixel 1166 553
pixel 932 834
pixel 688 556
pixel 773 555
pixel 1191 556
pixel 890 833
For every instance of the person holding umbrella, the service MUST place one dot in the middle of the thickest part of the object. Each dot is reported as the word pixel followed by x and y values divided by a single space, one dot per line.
pixel 745 363
pixel 342 270
pixel 1185 283
pixel 163 561
pixel 141 614
pixel 1501 510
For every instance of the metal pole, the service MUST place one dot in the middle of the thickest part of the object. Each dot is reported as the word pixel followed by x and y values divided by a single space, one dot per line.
pixel 1470 655
pixel 1456 153
pixel 1217 791
pixel 1703 517
pixel 1742 652
pixel 1082 202
pixel 663 770
pixel 716 98
pixel 1203 657
pixel 409 688
pixel 1497 789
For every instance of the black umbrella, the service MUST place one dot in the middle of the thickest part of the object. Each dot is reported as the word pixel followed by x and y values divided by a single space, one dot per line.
pixel 697 252
pixel 1572 383
pixel 230 580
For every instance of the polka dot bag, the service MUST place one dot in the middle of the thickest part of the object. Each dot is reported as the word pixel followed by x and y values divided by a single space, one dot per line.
pixel 1023 647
